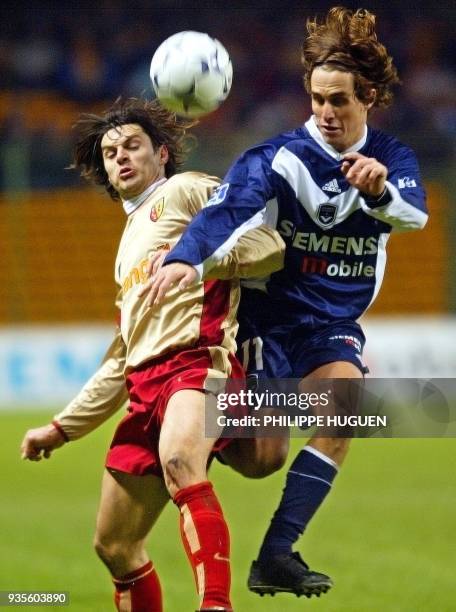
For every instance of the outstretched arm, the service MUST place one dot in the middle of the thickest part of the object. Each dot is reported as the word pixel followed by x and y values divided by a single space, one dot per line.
pixel 103 394
pixel 100 397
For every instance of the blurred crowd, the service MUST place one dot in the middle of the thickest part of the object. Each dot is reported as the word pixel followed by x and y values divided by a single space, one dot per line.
pixel 72 58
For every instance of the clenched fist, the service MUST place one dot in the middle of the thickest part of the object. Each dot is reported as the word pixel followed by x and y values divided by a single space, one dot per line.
pixel 40 442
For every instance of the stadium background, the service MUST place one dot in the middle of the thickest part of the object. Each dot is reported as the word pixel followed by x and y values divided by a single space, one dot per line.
pixel 391 507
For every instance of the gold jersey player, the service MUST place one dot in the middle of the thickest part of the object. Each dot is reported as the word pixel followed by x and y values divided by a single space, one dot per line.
pixel 161 359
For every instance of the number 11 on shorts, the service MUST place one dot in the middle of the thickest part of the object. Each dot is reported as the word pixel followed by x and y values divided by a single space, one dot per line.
pixel 257 344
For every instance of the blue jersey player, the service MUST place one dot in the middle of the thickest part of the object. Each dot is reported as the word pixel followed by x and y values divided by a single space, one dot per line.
pixel 335 189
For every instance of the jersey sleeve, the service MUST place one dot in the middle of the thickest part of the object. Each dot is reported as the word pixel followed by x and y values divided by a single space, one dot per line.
pixel 406 208
pixel 257 253
pixel 237 206
pixel 201 192
pixel 103 394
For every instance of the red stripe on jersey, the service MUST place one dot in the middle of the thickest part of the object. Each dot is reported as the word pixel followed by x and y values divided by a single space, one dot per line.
pixel 216 306
pixel 237 371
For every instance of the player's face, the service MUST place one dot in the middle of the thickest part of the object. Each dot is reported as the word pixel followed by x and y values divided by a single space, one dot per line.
pixel 130 160
pixel 340 116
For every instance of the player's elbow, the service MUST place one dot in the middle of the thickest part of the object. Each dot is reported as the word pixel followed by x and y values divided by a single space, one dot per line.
pixel 422 221
pixel 276 259
pixel 266 466
pixel 415 223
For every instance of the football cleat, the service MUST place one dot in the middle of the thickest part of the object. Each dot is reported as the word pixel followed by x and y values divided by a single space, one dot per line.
pixel 287 573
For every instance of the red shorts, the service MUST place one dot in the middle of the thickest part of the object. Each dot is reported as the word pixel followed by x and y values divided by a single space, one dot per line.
pixel 134 448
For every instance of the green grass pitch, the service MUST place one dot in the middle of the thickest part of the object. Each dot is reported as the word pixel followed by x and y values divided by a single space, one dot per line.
pixel 385 534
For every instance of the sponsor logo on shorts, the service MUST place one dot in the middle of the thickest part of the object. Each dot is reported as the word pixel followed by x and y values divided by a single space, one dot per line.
pixel 350 340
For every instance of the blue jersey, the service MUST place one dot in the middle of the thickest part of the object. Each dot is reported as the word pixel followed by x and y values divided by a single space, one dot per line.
pixel 335 238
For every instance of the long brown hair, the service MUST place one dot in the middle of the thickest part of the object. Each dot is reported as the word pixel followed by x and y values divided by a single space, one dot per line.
pixel 345 40
pixel 162 127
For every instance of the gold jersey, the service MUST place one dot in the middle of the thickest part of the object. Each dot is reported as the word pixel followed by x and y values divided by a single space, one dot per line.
pixel 204 314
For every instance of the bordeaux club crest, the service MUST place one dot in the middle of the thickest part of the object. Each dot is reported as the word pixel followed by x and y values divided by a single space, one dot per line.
pixel 327 214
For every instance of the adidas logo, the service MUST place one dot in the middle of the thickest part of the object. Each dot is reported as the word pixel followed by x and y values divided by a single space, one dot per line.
pixel 332 186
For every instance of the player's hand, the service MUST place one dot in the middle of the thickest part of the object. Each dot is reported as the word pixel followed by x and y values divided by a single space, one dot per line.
pixel 155 263
pixel 167 276
pixel 365 173
pixel 40 442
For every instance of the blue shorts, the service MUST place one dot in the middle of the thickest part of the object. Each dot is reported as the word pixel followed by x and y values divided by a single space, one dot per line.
pixel 269 347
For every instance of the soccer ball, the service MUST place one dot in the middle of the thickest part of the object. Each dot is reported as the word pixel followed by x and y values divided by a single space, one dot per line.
pixel 191 73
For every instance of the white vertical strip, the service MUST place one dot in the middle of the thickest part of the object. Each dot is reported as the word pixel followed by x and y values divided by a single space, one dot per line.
pixel 322 456
pixel 380 266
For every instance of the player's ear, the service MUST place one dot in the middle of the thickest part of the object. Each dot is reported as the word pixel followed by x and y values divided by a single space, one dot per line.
pixel 164 154
pixel 372 97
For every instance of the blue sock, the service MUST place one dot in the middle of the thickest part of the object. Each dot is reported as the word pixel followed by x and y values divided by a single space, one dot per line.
pixel 309 480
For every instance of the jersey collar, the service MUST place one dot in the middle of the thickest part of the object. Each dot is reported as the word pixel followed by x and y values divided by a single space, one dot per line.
pixel 131 205
pixel 313 130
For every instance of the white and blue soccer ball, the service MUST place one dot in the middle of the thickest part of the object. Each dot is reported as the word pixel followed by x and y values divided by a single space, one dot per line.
pixel 191 73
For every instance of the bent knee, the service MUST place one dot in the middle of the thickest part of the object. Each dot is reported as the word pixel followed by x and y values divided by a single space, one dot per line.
pixel 111 552
pixel 267 464
pixel 179 471
pixel 264 467
pixel 120 557
pixel 260 459
pixel 279 460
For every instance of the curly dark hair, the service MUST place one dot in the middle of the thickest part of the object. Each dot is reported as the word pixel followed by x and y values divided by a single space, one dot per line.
pixel 347 41
pixel 162 127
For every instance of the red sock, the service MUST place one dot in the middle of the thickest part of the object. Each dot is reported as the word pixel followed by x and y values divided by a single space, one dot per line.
pixel 139 591
pixel 207 543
